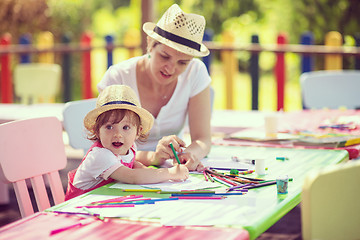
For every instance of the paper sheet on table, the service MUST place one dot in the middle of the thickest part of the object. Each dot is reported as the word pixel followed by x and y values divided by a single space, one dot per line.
pixel 192 183
pixel 227 162
pixel 175 213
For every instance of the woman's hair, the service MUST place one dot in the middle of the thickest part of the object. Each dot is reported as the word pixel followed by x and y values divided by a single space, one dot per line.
pixel 118 114
pixel 151 43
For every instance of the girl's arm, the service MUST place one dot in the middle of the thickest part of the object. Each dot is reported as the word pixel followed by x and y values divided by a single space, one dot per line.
pixel 143 175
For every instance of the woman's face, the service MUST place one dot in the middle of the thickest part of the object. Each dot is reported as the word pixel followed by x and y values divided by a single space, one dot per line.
pixel 166 63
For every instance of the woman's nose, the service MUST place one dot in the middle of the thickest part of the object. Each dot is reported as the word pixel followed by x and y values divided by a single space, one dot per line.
pixel 170 67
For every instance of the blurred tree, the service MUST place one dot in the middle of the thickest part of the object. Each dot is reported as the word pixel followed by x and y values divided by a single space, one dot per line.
pixel 322 16
pixel 18 17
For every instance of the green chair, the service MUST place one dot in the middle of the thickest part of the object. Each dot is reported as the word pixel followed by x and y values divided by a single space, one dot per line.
pixel 37 82
pixel 330 207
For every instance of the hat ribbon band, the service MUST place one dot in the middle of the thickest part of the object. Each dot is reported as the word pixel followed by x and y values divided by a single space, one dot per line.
pixel 177 39
pixel 118 102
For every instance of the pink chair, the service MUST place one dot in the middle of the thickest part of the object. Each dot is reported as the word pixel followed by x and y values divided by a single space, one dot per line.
pixel 30 149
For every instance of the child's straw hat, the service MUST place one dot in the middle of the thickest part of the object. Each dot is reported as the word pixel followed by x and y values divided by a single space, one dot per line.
pixel 119 97
pixel 181 31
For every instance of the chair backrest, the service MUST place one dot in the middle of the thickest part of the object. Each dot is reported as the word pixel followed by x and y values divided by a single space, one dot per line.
pixel 331 89
pixel 329 205
pixel 37 82
pixel 73 120
pixel 30 149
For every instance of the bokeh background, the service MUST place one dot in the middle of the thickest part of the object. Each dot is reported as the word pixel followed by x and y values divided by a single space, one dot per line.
pixel 243 18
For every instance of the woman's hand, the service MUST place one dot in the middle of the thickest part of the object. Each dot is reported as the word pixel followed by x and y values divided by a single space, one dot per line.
pixel 191 161
pixel 163 150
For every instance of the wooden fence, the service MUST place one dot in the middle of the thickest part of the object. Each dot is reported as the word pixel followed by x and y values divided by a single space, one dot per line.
pixel 333 50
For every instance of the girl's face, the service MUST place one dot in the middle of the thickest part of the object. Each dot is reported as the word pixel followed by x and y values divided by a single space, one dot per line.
pixel 118 137
pixel 166 64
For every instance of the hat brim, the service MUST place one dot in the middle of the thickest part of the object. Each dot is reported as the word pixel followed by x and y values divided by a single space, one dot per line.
pixel 146 119
pixel 148 28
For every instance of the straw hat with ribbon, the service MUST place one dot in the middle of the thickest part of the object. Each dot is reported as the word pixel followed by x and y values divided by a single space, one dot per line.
pixel 119 97
pixel 181 31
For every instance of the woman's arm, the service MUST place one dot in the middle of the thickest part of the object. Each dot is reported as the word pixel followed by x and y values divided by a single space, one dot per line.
pixel 199 126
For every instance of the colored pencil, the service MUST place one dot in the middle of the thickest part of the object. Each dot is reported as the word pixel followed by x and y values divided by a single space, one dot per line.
pixel 141 190
pixel 206 178
pixel 238 186
pixel 209 194
pixel 227 181
pixel 260 185
pixel 209 176
pixel 80 223
pixel 187 191
pixel 228 169
pixel 107 206
pixel 118 199
pixel 200 197
pixel 176 156
pixel 222 182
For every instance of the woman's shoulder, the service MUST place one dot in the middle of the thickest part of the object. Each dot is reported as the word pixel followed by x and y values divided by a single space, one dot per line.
pixel 196 65
pixel 126 64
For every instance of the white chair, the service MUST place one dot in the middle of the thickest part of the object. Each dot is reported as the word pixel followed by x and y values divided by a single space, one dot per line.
pixel 330 206
pixel 331 89
pixel 73 121
pixel 37 82
pixel 29 150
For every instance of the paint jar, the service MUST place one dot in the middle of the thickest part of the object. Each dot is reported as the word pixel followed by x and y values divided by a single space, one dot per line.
pixel 282 184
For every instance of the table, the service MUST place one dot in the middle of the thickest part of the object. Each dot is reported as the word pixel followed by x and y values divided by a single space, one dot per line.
pixel 226 122
pixel 11 112
pixel 260 208
pixel 39 226
pixel 255 211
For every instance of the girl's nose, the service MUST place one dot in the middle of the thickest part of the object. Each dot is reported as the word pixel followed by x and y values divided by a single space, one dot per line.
pixel 117 132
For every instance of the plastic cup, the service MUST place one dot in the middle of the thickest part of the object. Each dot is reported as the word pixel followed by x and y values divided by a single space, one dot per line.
pixel 282 185
pixel 260 166
pixel 270 125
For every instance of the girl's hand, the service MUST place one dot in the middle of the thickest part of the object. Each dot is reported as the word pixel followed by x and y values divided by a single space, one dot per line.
pixel 191 162
pixel 163 150
pixel 179 173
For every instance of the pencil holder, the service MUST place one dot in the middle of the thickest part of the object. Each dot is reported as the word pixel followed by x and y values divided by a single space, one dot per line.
pixel 282 185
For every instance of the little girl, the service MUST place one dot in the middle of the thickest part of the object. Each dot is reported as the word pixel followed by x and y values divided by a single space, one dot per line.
pixel 114 125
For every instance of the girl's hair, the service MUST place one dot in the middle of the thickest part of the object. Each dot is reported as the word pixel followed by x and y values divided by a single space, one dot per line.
pixel 118 114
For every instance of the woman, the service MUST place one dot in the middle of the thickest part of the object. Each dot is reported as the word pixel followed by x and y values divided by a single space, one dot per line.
pixel 172 85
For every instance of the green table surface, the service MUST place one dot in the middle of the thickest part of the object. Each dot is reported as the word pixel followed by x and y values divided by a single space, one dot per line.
pixel 262 206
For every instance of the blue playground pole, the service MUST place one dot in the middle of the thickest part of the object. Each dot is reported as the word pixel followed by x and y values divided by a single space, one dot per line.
pixel 109 42
pixel 307 60
pixel 254 73
pixel 25 40
pixel 208 36
pixel 357 44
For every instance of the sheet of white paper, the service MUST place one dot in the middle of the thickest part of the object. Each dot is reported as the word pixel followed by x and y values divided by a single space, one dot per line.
pixel 226 211
pixel 192 183
pixel 227 162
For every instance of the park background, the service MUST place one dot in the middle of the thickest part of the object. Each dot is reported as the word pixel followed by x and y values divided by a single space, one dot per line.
pixel 242 18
